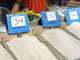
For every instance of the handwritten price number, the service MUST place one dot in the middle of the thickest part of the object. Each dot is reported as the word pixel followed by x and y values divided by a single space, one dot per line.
pixel 73 15
pixel 51 16
pixel 18 21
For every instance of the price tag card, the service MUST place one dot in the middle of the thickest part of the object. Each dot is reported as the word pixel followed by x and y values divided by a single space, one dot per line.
pixel 72 15
pixel 50 19
pixel 17 23
pixel 51 16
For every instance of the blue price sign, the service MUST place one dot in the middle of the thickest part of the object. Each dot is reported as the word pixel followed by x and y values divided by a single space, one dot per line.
pixel 17 23
pixel 72 15
pixel 50 19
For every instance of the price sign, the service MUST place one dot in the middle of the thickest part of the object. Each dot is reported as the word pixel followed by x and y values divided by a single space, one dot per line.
pixel 72 15
pixel 51 16
pixel 50 19
pixel 17 23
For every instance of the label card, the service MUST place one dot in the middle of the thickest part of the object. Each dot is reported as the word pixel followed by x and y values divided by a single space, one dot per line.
pixel 50 19
pixel 3 29
pixel 17 23
pixel 51 16
pixel 72 15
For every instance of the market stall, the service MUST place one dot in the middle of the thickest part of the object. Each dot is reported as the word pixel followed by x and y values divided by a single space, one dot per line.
pixel 57 38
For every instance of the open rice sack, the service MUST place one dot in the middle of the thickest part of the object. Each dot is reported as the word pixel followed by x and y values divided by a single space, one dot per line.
pixel 29 48
pixel 66 44
pixel 74 28
pixel 4 55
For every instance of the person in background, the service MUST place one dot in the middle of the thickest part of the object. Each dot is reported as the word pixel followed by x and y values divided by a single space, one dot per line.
pixel 35 5
pixel 7 4
pixel 5 8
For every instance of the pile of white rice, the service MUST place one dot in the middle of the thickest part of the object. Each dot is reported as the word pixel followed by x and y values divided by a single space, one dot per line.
pixel 30 48
pixel 75 28
pixel 67 45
